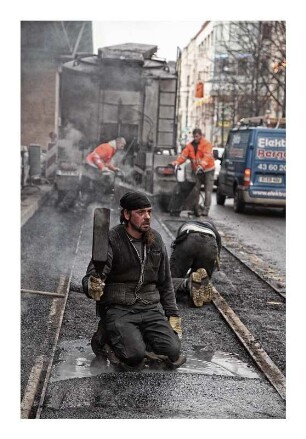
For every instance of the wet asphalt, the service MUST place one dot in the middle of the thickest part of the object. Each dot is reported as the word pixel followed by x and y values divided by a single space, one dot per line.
pixel 219 380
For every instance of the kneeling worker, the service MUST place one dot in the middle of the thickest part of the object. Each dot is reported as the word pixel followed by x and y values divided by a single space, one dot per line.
pixel 197 248
pixel 137 307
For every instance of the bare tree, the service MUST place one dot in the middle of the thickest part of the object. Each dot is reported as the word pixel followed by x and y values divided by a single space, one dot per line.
pixel 252 62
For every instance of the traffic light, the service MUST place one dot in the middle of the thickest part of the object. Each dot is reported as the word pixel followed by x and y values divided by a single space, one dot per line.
pixel 199 90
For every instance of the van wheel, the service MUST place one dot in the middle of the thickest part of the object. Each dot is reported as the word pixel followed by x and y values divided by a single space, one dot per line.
pixel 239 205
pixel 220 198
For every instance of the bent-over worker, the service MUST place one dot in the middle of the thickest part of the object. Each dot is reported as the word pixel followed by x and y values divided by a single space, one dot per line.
pixel 195 255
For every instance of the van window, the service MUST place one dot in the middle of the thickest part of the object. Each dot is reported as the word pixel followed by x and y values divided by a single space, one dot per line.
pixel 237 145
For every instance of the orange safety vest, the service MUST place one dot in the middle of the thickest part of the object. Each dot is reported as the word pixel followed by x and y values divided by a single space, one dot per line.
pixel 101 156
pixel 203 157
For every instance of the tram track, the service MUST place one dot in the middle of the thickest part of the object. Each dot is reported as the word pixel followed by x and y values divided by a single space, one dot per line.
pixel 34 395
pixel 36 387
pixel 279 291
pixel 250 342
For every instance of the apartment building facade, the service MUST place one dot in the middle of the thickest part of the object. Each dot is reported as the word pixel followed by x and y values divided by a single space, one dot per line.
pixel 230 70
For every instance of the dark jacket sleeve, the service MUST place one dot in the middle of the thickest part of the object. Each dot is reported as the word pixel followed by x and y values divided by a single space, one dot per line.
pixel 165 286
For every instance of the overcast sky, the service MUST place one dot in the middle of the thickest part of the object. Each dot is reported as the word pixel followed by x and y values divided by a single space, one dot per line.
pixel 167 35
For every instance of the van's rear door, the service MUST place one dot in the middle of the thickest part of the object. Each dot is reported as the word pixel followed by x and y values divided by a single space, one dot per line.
pixel 268 172
pixel 233 161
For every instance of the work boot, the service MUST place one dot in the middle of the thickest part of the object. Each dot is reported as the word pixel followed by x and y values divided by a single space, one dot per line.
pixel 110 355
pixel 178 363
pixel 118 364
pixel 155 361
pixel 205 212
pixel 200 287
pixel 126 368
pixel 98 340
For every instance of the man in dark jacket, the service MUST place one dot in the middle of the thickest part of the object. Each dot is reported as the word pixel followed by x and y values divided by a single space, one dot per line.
pixel 196 253
pixel 137 303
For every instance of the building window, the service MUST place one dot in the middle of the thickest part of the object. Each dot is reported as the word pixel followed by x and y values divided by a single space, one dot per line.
pixel 242 66
pixel 221 65
pixel 201 49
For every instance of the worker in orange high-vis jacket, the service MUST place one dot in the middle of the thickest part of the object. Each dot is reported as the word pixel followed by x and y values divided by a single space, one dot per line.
pixel 101 156
pixel 98 175
pixel 200 154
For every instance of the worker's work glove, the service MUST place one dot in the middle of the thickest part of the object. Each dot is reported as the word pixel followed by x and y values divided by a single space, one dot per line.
pixel 175 323
pixel 95 287
pixel 174 165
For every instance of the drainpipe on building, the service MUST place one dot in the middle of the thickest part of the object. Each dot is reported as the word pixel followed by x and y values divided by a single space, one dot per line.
pixel 222 124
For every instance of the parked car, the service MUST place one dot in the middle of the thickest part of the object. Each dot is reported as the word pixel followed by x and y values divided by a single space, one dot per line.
pixel 218 153
pixel 253 169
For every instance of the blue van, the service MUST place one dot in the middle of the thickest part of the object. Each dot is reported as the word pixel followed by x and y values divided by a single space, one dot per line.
pixel 253 169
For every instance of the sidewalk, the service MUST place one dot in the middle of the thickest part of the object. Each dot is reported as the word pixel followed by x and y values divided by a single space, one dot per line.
pixel 32 197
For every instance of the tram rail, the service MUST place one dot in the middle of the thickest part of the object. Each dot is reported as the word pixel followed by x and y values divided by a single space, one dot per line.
pixel 279 291
pixel 41 371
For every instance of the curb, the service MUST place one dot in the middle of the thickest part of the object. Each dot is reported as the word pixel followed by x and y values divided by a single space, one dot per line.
pixel 31 204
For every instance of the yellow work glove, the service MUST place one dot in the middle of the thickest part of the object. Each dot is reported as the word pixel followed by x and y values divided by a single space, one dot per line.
pixel 175 323
pixel 95 287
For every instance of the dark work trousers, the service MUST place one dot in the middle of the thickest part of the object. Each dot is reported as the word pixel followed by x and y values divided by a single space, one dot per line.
pixel 197 250
pixel 129 331
pixel 207 179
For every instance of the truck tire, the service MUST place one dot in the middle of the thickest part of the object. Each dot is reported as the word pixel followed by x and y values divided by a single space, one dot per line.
pixel 239 205
pixel 220 198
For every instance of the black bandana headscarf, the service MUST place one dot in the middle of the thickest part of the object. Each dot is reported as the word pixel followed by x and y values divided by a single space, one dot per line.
pixel 134 201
